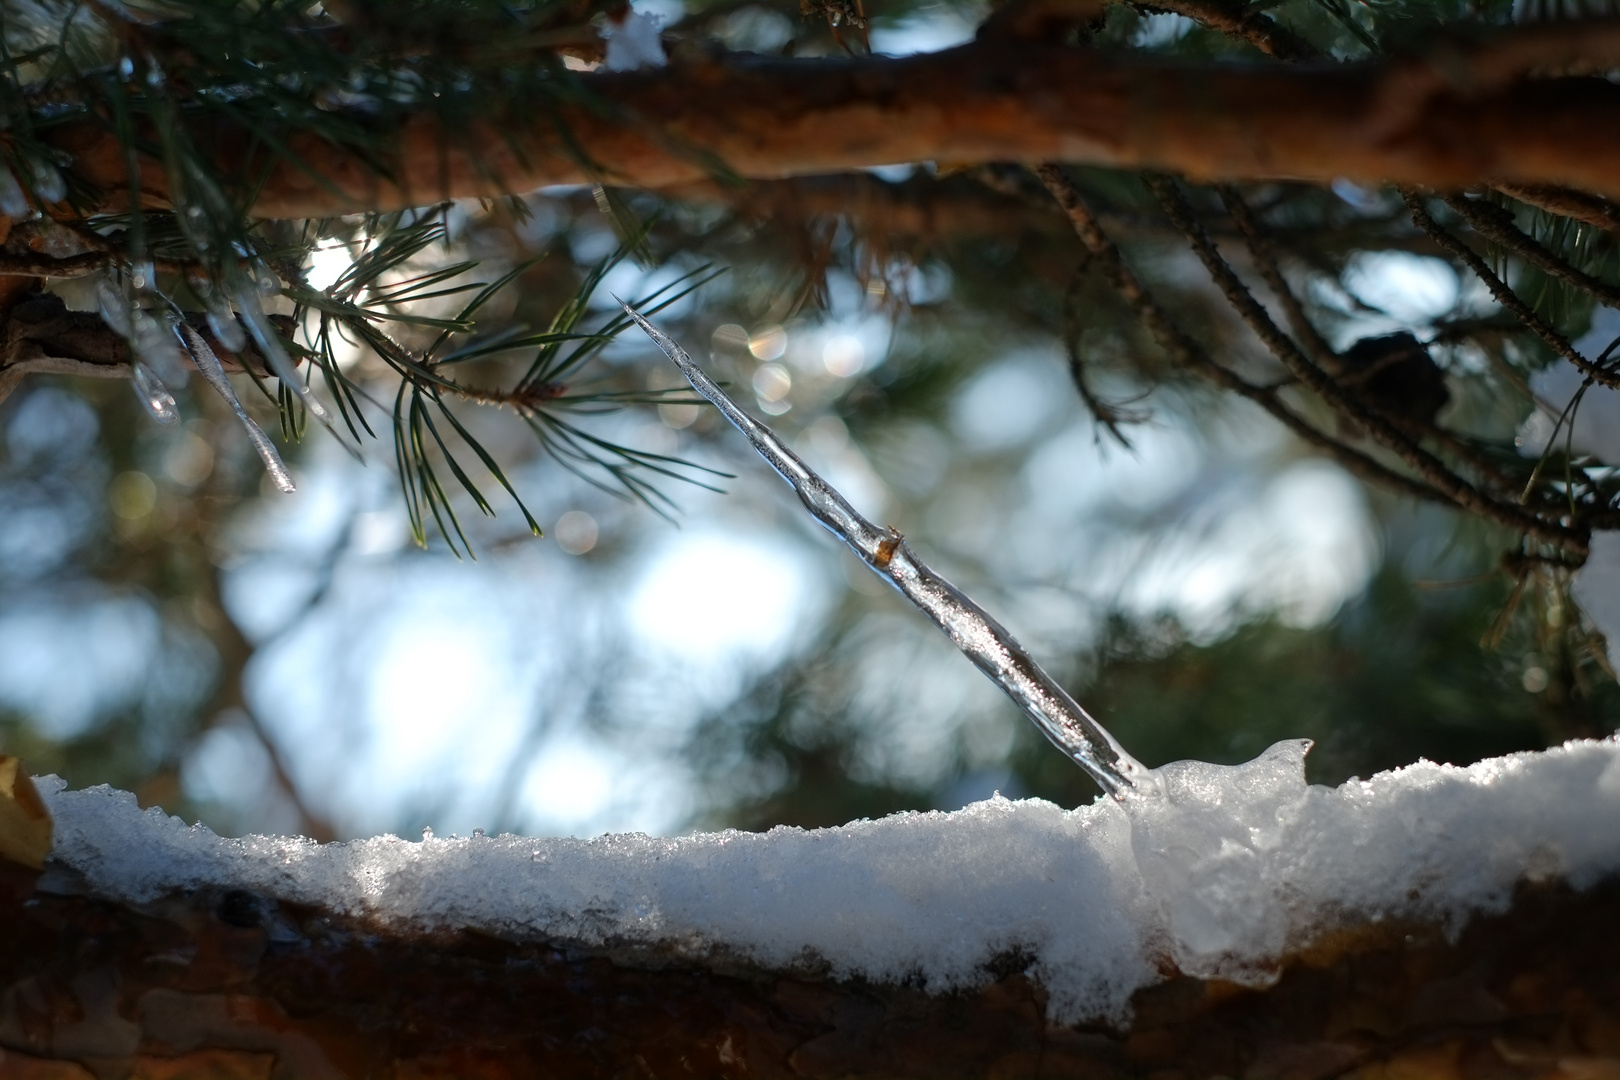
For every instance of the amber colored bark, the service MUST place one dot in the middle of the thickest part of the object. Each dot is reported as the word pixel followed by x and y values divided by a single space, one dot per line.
pixel 1464 118
pixel 229 985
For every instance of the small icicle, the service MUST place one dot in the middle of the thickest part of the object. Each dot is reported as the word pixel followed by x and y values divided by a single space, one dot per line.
pixel 13 202
pixel 114 306
pixel 214 372
pixel 156 347
pixel 48 182
pixel 275 354
pixel 154 395
pixel 227 328
pixel 983 640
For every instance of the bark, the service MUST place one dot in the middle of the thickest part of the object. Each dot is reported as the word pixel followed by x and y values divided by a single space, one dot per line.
pixel 39 335
pixel 1465 117
pixel 233 985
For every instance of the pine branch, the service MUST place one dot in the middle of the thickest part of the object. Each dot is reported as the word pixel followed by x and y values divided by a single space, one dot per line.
pixel 1335 395
pixel 1566 202
pixel 1189 354
pixel 1505 295
pixel 1449 123
pixel 1496 225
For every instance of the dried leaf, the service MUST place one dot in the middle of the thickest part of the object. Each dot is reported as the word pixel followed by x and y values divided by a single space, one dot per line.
pixel 25 824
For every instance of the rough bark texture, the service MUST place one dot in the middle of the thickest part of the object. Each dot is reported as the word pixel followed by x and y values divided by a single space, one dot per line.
pixel 232 986
pixel 1468 115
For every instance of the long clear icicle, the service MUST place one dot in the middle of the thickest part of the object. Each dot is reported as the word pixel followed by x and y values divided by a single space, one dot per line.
pixel 985 641
pixel 213 371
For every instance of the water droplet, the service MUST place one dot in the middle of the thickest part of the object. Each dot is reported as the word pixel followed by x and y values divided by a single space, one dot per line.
pixel 225 327
pixel 156 346
pixel 477 833
pixel 13 203
pixel 114 306
pixel 48 182
pixel 154 395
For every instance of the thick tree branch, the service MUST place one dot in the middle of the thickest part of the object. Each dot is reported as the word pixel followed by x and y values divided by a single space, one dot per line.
pixel 41 336
pixel 230 984
pixel 1463 119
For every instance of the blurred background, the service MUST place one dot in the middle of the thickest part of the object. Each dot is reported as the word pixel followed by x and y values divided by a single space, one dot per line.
pixel 706 656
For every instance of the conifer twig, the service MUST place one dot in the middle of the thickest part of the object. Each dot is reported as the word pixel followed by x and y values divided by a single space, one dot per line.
pixel 1191 355
pixel 1503 294
pixel 1496 225
pixel 1337 397
pixel 983 640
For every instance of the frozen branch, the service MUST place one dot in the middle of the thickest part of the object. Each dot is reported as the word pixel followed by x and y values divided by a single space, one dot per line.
pixel 983 640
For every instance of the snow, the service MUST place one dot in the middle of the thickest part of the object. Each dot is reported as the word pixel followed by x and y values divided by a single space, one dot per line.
pixel 1226 871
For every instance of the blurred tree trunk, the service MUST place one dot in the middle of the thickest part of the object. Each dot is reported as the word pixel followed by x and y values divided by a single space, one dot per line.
pixel 227 985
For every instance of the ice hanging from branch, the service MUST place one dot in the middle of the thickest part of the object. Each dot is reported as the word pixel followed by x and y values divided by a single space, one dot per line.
pixel 213 371
pixel 984 641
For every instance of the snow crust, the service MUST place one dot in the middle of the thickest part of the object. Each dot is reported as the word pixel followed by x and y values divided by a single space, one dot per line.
pixel 1225 872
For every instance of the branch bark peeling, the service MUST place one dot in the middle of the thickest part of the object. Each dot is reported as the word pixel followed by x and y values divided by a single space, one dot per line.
pixel 1444 123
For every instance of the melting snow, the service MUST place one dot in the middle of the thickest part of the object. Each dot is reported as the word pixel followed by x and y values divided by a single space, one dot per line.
pixel 1228 870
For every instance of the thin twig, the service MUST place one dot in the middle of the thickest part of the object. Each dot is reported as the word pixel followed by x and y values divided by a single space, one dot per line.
pixel 1496 225
pixel 1265 261
pixel 1504 295
pixel 1379 427
pixel 1566 202
pixel 1187 352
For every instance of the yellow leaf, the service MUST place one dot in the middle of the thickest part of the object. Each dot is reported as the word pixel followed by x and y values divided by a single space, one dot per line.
pixel 25 824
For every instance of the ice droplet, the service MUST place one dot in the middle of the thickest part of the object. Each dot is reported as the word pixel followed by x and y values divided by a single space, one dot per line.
pixel 222 321
pixel 48 182
pixel 13 203
pixel 427 833
pixel 214 372
pixel 114 306
pixel 983 640
pixel 154 395
pixel 157 348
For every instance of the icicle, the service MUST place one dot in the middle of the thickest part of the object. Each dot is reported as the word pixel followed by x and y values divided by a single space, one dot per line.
pixel 223 322
pixel 13 202
pixel 991 648
pixel 154 395
pixel 114 306
pixel 213 371
pixel 275 354
pixel 156 348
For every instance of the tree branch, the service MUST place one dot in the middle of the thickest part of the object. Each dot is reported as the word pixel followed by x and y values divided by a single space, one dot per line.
pixel 1566 202
pixel 1505 295
pixel 1496 225
pixel 216 983
pixel 1191 355
pixel 1340 400
pixel 1458 120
